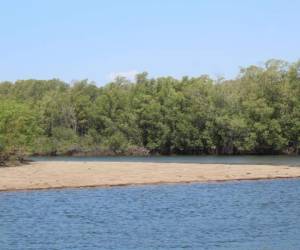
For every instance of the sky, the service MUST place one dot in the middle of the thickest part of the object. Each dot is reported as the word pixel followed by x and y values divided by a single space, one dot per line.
pixel 98 40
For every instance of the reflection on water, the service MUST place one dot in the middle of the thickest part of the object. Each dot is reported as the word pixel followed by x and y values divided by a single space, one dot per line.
pixel 236 215
pixel 270 159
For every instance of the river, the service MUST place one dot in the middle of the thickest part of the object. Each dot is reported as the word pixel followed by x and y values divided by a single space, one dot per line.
pixel 232 215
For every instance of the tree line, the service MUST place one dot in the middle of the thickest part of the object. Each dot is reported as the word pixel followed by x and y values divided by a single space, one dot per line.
pixel 257 112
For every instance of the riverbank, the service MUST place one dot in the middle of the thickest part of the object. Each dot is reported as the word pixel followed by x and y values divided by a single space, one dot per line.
pixel 46 175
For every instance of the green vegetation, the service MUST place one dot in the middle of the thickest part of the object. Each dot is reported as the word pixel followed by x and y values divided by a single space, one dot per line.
pixel 256 113
pixel 18 130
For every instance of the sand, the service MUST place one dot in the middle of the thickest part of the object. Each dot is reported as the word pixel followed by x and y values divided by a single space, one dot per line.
pixel 46 175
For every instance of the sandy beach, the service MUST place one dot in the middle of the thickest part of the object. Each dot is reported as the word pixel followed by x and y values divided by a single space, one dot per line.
pixel 45 175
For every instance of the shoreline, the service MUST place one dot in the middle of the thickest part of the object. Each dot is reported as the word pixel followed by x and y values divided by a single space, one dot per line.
pixel 147 184
pixel 62 175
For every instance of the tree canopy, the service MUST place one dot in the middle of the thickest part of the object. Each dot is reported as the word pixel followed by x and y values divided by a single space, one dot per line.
pixel 258 112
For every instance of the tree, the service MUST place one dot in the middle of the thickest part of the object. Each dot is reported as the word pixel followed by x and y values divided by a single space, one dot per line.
pixel 18 130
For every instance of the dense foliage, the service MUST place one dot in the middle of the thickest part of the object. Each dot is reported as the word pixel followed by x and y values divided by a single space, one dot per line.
pixel 257 112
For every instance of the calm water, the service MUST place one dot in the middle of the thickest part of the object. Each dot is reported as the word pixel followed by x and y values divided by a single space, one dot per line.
pixel 236 215
pixel 276 160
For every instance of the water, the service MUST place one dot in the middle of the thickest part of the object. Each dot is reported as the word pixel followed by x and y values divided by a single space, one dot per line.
pixel 235 215
pixel 270 159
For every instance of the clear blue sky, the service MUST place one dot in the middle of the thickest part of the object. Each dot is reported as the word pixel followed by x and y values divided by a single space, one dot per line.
pixel 94 39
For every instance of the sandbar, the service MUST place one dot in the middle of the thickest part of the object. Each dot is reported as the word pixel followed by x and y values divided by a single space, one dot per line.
pixel 68 174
